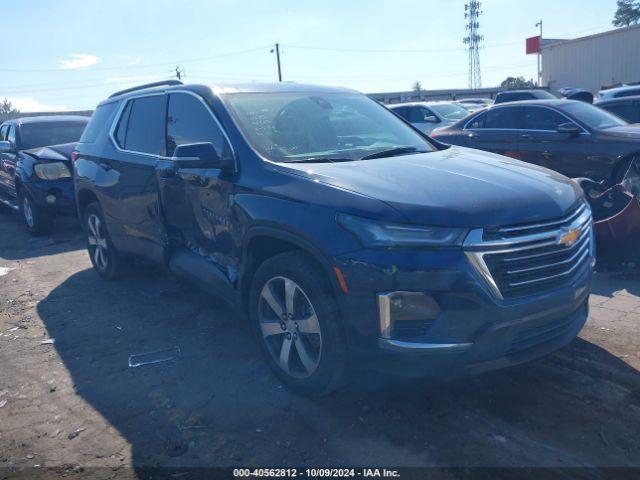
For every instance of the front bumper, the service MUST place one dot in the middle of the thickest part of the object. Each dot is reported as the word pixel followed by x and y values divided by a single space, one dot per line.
pixel 62 190
pixel 474 331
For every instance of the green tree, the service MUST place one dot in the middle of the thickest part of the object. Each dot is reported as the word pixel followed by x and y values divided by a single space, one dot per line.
pixel 517 82
pixel 7 110
pixel 628 13
pixel 417 87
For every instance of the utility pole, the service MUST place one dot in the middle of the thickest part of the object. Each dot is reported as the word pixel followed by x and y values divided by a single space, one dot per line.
pixel 179 71
pixel 276 49
pixel 472 12
pixel 539 24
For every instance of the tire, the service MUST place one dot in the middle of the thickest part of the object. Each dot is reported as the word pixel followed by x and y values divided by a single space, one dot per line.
pixel 38 221
pixel 104 257
pixel 309 362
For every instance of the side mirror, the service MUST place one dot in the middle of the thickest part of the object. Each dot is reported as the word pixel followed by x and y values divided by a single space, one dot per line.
pixel 431 119
pixel 200 155
pixel 570 128
pixel 6 147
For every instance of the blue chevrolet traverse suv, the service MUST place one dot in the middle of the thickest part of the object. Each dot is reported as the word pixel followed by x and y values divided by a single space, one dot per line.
pixel 343 233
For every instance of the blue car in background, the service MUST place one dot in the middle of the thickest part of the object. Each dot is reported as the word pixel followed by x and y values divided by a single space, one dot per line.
pixel 35 168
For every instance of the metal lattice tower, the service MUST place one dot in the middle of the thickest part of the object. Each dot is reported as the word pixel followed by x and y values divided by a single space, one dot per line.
pixel 471 13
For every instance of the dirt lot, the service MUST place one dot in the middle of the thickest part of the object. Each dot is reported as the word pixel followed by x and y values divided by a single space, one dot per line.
pixel 77 403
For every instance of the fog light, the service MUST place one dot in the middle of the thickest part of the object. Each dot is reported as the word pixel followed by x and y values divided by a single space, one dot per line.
pixel 410 307
pixel 51 199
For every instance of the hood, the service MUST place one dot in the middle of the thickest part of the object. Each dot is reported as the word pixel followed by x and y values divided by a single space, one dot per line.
pixel 625 131
pixel 454 187
pixel 53 153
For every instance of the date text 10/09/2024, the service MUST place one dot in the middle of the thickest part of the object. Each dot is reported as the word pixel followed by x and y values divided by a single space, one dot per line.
pixel 315 473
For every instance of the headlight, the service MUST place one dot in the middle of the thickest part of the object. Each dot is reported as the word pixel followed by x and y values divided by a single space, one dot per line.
pixel 51 171
pixel 372 233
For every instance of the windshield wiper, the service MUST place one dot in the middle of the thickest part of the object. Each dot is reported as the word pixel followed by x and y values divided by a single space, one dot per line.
pixel 392 152
pixel 320 160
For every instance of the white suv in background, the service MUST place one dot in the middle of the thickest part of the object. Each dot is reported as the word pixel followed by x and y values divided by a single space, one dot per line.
pixel 427 116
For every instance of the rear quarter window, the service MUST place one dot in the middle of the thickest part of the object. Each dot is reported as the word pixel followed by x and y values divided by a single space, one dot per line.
pixel 99 122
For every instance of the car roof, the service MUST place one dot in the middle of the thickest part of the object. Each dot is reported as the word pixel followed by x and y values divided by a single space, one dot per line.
pixel 49 119
pixel 523 90
pixel 231 88
pixel 624 88
pixel 414 104
pixel 549 102
pixel 617 100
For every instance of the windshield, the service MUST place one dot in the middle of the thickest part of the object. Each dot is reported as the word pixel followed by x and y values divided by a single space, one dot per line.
pixel 450 111
pixel 35 135
pixel 286 127
pixel 592 116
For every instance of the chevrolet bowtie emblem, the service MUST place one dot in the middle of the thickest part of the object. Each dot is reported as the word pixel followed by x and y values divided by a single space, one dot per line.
pixel 568 237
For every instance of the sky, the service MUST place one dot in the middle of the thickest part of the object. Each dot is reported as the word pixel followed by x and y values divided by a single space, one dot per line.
pixel 71 54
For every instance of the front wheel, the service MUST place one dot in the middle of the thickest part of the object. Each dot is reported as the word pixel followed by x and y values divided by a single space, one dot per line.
pixel 297 323
pixel 104 257
pixel 38 221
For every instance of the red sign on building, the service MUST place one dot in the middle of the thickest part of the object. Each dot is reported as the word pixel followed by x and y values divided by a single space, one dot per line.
pixel 533 45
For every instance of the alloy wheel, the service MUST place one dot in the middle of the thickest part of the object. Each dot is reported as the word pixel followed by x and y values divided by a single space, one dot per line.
pixel 290 327
pixel 97 241
pixel 27 211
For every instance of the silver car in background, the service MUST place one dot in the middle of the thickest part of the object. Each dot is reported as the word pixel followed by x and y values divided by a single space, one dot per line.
pixel 427 116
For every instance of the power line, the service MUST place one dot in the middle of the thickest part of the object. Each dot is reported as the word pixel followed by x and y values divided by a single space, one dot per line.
pixel 126 67
pixel 386 50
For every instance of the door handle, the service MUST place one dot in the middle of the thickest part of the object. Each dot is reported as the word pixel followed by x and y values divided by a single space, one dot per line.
pixel 526 136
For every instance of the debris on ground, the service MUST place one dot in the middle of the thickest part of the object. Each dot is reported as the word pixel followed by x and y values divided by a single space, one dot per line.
pixel 75 433
pixel 151 358
pixel 5 270
pixel 49 341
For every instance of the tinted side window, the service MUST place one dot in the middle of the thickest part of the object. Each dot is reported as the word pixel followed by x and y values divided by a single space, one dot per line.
pixel 625 110
pixel 536 118
pixel 503 118
pixel 145 131
pixel 628 93
pixel 100 121
pixel 11 134
pixel 403 112
pixel 3 132
pixel 477 122
pixel 418 114
pixel 189 121
pixel 123 123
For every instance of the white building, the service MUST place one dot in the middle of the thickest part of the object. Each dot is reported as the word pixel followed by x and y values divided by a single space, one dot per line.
pixel 592 62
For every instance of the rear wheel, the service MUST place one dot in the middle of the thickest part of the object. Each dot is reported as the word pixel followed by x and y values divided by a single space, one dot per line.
pixel 38 221
pixel 104 257
pixel 297 323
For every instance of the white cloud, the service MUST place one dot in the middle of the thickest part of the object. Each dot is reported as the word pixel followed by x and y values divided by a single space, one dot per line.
pixel 30 104
pixel 78 61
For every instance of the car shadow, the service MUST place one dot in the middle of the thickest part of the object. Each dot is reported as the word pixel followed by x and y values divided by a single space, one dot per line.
pixel 17 244
pixel 610 282
pixel 216 402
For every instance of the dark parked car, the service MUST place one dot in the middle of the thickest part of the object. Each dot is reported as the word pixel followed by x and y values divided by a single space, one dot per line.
pixel 341 231
pixel 627 108
pixel 35 168
pixel 571 137
pixel 517 95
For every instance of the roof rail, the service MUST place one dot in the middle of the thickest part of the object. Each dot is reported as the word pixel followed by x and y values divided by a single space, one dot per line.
pixel 147 85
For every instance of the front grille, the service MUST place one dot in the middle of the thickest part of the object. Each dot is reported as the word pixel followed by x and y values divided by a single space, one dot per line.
pixel 530 259
pixel 532 337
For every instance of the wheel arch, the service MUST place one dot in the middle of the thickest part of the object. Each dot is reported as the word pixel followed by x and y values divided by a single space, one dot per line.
pixel 262 243
pixel 85 197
